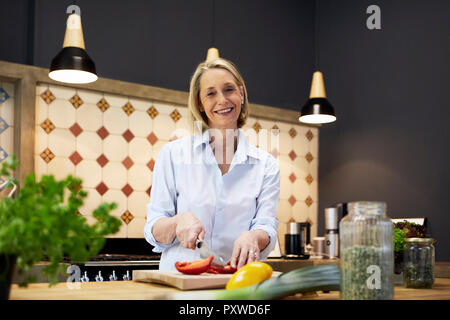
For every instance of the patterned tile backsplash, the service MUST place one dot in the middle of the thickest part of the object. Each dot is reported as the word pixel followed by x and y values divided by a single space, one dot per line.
pixel 111 142
pixel 6 119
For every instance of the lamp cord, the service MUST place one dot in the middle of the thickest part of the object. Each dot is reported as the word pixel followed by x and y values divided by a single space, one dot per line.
pixel 213 22
pixel 316 36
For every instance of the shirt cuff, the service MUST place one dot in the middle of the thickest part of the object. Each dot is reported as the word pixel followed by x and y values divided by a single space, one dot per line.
pixel 269 226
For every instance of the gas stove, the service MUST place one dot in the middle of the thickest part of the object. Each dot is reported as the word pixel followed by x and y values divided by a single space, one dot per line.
pixel 117 260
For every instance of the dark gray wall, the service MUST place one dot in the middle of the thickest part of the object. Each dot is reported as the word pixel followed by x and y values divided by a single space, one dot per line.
pixel 389 86
pixel 390 90
pixel 16 31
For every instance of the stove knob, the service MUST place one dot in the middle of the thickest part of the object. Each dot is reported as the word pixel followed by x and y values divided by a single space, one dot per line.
pixel 99 277
pixel 85 277
pixel 126 277
pixel 113 277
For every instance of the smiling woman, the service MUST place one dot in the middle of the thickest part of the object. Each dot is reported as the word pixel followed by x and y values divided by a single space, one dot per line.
pixel 221 101
pixel 229 198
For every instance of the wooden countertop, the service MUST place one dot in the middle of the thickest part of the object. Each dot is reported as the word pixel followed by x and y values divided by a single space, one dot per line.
pixel 131 290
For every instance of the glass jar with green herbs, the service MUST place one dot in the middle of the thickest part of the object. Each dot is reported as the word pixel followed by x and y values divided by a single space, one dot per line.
pixel 367 255
pixel 418 263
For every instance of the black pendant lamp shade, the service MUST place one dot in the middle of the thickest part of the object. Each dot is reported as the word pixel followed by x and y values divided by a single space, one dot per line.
pixel 317 109
pixel 73 64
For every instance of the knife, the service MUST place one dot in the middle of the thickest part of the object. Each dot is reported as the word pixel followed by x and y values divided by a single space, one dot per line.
pixel 205 252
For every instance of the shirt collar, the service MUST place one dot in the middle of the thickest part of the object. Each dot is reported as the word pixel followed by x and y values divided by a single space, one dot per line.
pixel 244 148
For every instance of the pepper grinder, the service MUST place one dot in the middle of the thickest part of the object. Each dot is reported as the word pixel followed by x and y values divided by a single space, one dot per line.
pixel 331 233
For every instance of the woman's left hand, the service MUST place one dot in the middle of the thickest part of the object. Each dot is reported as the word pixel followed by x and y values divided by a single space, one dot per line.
pixel 246 248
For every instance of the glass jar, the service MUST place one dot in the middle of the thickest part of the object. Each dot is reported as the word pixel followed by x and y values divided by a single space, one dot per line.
pixel 367 253
pixel 418 263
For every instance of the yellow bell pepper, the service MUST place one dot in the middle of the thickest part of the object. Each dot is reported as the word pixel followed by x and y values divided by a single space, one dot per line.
pixel 250 274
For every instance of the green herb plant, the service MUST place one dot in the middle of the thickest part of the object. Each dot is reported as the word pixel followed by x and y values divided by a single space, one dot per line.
pixel 411 229
pixel 399 240
pixel 42 222
pixel 403 230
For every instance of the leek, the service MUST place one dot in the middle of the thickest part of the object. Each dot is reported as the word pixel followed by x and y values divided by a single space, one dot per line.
pixel 307 279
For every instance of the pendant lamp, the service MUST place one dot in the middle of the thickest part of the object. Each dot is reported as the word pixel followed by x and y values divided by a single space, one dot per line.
pixel 73 64
pixel 317 109
pixel 213 53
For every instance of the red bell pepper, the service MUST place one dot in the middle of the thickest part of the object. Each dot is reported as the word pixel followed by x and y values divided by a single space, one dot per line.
pixel 194 267
pixel 224 270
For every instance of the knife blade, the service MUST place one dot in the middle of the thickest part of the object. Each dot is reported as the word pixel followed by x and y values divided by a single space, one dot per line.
pixel 206 252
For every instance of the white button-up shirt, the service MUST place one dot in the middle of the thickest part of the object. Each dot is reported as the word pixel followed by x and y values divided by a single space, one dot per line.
pixel 186 178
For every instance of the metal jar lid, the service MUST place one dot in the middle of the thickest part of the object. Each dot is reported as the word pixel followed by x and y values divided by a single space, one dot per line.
pixel 420 240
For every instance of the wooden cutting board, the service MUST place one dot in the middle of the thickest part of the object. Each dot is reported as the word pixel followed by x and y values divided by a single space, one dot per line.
pixel 184 281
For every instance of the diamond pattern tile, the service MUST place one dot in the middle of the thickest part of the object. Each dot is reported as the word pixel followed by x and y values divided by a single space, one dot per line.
pixel 275 131
pixel 292 200
pixel 127 217
pixel 149 190
pixel 309 135
pixel 47 155
pixel 292 177
pixel 127 190
pixel 309 221
pixel 292 155
pixel 127 162
pixel 48 96
pixel 152 112
pixel 102 188
pixel 75 158
pixel 128 108
pixel 257 127
pixel 3 155
pixel 76 129
pixel 292 132
pixel 128 135
pixel 175 115
pixel 309 179
pixel 3 125
pixel 102 160
pixel 309 157
pixel 48 126
pixel 76 101
pixel 151 164
pixel 308 201
pixel 3 95
pixel 102 133
pixel 103 105
pixel 152 138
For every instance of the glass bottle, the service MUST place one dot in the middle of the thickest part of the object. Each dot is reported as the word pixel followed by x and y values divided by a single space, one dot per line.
pixel 418 263
pixel 367 253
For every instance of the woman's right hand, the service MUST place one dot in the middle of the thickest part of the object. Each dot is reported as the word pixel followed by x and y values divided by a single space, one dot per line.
pixel 188 229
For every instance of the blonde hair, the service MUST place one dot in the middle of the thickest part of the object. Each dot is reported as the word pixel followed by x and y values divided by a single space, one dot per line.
pixel 194 92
